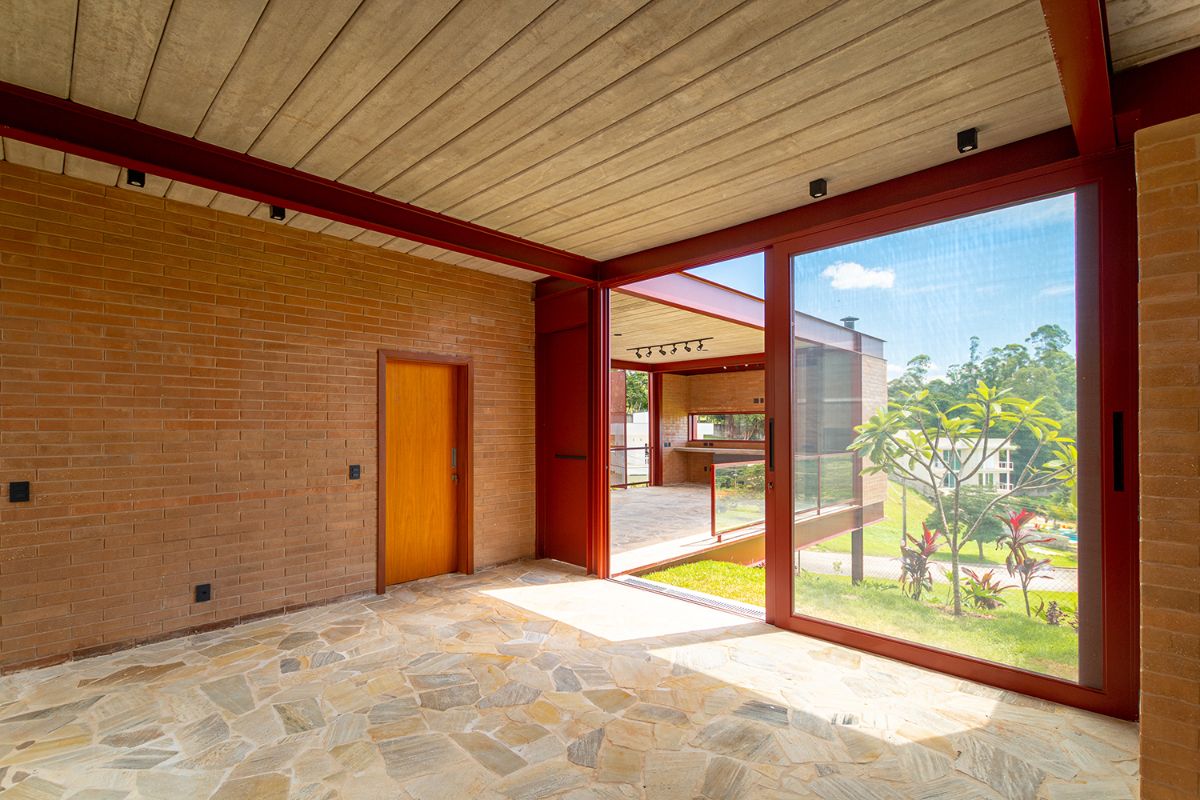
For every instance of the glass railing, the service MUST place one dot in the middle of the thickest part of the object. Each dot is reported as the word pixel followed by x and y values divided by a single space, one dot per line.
pixel 823 481
pixel 738 495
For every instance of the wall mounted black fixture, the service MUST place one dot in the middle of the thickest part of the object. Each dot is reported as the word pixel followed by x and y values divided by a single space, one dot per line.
pixel 648 350
pixel 968 140
pixel 135 177
pixel 355 471
pixel 203 592
pixel 278 212
pixel 18 492
pixel 818 188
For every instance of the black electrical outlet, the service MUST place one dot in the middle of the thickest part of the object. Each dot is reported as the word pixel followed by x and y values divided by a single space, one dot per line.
pixel 18 492
pixel 203 592
pixel 355 472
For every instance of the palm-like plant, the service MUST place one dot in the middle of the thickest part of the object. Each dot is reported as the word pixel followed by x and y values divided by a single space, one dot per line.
pixel 914 563
pixel 983 591
pixel 1018 561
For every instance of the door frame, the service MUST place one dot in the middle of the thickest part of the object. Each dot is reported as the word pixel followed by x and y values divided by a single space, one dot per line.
pixel 465 533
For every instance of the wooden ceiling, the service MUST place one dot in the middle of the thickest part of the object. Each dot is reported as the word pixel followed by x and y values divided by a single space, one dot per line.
pixel 636 322
pixel 1141 31
pixel 600 128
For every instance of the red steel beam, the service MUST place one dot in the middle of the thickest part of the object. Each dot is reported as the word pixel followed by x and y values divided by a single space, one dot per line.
pixel 41 119
pixel 1079 38
pixel 1003 164
pixel 1157 92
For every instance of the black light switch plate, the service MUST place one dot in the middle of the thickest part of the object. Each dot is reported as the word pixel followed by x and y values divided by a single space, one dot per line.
pixel 203 592
pixel 355 472
pixel 18 492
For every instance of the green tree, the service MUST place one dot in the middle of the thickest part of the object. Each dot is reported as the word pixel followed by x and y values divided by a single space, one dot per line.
pixel 974 500
pixel 637 391
pixel 910 437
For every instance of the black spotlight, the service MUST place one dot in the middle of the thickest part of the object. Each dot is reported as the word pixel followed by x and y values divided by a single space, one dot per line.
pixel 818 188
pixel 638 353
pixel 968 140
pixel 135 177
pixel 278 213
pixel 699 345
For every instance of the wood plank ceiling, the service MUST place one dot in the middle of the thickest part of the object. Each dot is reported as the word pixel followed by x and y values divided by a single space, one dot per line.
pixel 1141 31
pixel 636 322
pixel 600 128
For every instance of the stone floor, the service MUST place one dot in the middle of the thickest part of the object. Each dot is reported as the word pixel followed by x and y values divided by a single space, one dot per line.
pixel 530 681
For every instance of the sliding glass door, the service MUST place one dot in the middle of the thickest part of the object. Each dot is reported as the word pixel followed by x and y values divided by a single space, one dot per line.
pixel 944 465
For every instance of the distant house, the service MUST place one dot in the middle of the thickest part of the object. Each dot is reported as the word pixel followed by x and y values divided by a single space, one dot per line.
pixel 995 472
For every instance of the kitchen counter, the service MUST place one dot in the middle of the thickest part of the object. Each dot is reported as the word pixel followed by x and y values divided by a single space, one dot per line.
pixel 722 451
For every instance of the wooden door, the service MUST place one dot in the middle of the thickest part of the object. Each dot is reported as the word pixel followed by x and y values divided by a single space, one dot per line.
pixel 421 535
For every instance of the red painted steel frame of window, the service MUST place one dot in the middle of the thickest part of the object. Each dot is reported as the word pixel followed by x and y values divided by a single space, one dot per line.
pixel 598 544
pixel 49 121
pixel 1106 233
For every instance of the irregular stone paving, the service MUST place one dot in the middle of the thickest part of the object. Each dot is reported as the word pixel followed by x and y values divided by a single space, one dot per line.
pixel 441 689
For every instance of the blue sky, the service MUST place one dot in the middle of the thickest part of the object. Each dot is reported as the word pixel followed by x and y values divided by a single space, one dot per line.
pixel 996 275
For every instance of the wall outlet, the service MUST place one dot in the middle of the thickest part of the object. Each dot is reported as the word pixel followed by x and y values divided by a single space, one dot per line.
pixel 18 492
pixel 355 471
pixel 203 592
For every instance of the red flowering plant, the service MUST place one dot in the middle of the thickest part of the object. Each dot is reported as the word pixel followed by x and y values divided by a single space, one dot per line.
pixel 914 562
pixel 1018 562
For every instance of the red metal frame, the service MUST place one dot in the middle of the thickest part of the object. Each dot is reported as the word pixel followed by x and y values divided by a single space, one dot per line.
pixel 656 467
pixel 1157 92
pixel 48 121
pixel 1079 38
pixel 598 538
pixel 464 423
pixel 1114 248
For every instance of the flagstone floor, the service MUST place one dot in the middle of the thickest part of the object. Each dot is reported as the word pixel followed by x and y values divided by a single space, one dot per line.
pixel 532 681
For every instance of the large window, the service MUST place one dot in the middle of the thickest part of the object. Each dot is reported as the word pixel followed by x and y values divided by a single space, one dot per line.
pixel 935 432
pixel 728 427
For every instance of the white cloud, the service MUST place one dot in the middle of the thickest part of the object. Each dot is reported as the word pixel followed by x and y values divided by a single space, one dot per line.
pixel 852 275
pixel 1057 289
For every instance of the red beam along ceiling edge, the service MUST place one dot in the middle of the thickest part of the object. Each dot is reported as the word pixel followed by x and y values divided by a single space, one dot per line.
pixel 41 119
pixel 1079 38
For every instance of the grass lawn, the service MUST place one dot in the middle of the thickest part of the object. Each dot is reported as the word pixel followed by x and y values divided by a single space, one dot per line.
pixel 1005 635
pixel 883 538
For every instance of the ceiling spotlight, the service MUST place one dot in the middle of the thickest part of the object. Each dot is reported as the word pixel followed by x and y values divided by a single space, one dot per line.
pixel 968 140
pixel 135 177
pixel 277 212
pixel 699 345
pixel 638 353
pixel 687 347
pixel 674 349
pixel 818 188
pixel 662 351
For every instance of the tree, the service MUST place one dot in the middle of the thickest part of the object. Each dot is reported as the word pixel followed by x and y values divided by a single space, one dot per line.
pixel 910 437
pixel 637 391
pixel 973 500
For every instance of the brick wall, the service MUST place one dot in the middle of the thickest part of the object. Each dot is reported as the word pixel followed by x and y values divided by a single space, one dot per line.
pixel 684 395
pixel 186 388
pixel 1168 167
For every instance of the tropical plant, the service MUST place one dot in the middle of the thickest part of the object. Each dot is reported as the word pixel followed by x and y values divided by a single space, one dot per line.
pixel 910 436
pixel 1018 562
pixel 1055 614
pixel 983 591
pixel 914 562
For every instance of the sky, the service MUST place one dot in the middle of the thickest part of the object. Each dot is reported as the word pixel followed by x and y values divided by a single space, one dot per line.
pixel 997 275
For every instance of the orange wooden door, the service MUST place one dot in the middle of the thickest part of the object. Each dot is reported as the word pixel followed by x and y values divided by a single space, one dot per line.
pixel 421 538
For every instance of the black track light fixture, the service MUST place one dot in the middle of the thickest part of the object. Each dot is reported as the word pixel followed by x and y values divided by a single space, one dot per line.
pixel 818 188
pixel 662 349
pixel 135 177
pixel 278 213
pixel 968 140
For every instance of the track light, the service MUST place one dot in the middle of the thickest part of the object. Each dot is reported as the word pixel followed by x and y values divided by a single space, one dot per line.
pixel 135 177
pixel 662 348
pixel 674 349
pixel 818 188
pixel 700 345
pixel 662 351
pixel 278 212
pixel 687 347
pixel 968 140
pixel 638 353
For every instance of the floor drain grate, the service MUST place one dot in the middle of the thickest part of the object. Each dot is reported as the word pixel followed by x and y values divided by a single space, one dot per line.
pixel 703 598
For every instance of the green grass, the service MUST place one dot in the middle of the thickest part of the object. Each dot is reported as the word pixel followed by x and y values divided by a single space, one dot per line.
pixel 1005 635
pixel 883 538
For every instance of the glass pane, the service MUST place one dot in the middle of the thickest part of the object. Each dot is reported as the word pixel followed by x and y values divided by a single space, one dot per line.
pixel 729 427
pixel 739 497
pixel 935 427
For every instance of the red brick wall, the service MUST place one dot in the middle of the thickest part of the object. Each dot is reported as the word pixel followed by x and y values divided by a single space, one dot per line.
pixel 684 395
pixel 186 390
pixel 1168 167
pixel 674 427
